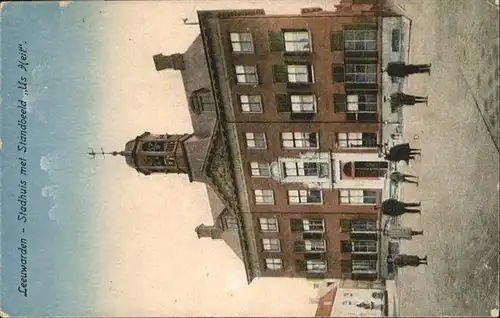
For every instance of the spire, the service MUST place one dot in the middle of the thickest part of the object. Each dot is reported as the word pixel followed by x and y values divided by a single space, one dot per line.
pixel 93 154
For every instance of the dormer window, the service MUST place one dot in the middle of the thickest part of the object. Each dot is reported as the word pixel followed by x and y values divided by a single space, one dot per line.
pixel 153 146
pixel 202 100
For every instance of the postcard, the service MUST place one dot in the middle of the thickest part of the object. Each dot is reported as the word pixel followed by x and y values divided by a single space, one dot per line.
pixel 249 158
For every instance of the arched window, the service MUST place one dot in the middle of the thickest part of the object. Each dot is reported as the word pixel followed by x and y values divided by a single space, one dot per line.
pixel 202 100
pixel 365 169
pixel 153 146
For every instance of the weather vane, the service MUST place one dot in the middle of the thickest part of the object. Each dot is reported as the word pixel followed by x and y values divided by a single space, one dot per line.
pixel 93 154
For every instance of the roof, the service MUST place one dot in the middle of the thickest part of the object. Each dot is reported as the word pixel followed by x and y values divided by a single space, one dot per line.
pixel 325 304
pixel 207 151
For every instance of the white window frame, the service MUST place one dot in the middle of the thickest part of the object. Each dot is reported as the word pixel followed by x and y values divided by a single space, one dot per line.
pixel 353 41
pixel 260 196
pixel 354 105
pixel 271 244
pixel 274 264
pixel 298 140
pixel 316 266
pixel 298 168
pixel 306 225
pixel 250 104
pixel 301 197
pixel 236 42
pixel 353 73
pixel 253 140
pixel 354 140
pixel 363 226
pixel 244 72
pixel 260 169
pixel 303 103
pixel 357 196
pixel 266 225
pixel 361 266
pixel 297 41
pixel 363 247
pixel 299 73
pixel 315 245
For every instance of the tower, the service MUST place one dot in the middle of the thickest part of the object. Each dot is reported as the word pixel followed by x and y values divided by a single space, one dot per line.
pixel 149 153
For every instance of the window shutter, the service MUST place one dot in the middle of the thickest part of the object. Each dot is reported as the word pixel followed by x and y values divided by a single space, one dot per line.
pixel 345 266
pixel 300 265
pixel 302 116
pixel 280 73
pixel 352 117
pixel 337 41
pixel 339 102
pixel 313 256
pixel 367 117
pixel 360 26
pixel 299 246
pixel 296 225
pixel 345 226
pixel 345 246
pixel 312 236
pixel 338 73
pixel 283 103
pixel 276 42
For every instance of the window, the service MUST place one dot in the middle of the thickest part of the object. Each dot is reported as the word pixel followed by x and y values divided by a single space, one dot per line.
pixel 297 41
pixel 309 169
pixel 316 266
pixel 358 196
pixel 256 140
pixel 357 140
pixel 246 74
pixel 303 103
pixel 337 40
pixel 153 146
pixel 259 169
pixel 364 266
pixel 170 145
pixel 202 100
pixel 264 196
pixel 268 224
pixel 300 140
pixel 231 223
pixel 361 73
pixel 360 40
pixel 365 169
pixel 299 73
pixel 155 161
pixel 251 103
pixel 271 245
pixel 358 246
pixel 305 197
pixel 361 107
pixel 358 225
pixel 242 42
pixel 310 246
pixel 293 41
pixel 313 225
pixel 274 264
pixel 307 225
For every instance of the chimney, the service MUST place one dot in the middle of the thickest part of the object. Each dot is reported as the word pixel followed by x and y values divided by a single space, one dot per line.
pixel 208 231
pixel 173 61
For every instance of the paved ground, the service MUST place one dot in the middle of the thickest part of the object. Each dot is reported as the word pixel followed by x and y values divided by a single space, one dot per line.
pixel 459 168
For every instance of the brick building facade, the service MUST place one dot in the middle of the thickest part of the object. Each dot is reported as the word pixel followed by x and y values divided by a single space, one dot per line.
pixel 287 115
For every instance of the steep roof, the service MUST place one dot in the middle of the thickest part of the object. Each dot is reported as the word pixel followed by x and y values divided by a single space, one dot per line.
pixel 207 151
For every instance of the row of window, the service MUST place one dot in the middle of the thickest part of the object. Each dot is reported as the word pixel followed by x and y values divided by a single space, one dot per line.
pixel 319 246
pixel 307 103
pixel 300 40
pixel 315 196
pixel 314 225
pixel 310 140
pixel 321 266
pixel 304 73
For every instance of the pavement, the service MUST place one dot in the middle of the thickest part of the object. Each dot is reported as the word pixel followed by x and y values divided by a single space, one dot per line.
pixel 459 135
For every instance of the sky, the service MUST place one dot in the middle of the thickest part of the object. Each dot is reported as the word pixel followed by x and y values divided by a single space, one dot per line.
pixel 100 239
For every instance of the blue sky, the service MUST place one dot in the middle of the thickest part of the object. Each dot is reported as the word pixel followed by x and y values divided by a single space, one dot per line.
pixel 64 55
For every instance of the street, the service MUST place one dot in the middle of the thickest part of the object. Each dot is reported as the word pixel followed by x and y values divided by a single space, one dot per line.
pixel 459 135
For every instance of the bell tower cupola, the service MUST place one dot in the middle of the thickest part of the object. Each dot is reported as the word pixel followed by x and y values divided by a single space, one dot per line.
pixel 150 154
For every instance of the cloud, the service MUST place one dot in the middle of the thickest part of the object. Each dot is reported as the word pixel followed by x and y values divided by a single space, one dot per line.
pixel 51 192
pixel 49 163
pixel 1 144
